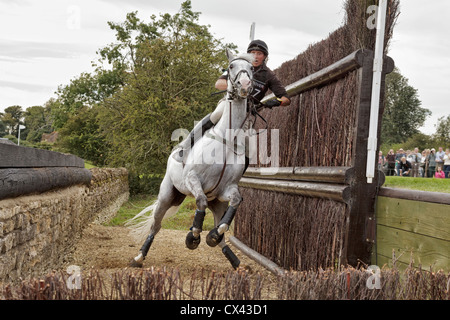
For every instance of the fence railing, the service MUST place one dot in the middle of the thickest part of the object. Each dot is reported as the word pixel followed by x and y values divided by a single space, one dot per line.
pixel 413 226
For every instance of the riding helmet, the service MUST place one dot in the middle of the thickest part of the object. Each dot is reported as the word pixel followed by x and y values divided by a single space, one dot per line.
pixel 258 45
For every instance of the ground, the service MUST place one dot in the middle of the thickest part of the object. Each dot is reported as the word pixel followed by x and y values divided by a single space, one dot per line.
pixel 111 247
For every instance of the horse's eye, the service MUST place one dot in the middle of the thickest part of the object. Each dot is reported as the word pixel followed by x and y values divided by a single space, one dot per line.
pixel 252 68
pixel 231 66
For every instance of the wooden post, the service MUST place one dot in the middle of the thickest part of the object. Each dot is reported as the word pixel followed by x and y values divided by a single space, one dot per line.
pixel 361 221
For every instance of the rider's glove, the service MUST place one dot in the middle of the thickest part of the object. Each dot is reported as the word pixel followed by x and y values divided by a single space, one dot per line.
pixel 273 103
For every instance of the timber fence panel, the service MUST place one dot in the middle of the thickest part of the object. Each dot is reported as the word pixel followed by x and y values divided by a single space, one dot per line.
pixel 413 226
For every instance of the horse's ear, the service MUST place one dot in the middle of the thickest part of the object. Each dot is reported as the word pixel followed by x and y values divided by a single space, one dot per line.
pixel 230 55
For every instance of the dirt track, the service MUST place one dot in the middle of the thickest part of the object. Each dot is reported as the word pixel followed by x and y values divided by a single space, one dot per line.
pixel 109 248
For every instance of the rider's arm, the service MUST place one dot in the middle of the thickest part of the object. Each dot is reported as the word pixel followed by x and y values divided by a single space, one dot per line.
pixel 279 90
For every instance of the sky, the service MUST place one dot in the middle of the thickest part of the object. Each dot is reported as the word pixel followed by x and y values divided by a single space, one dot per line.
pixel 46 43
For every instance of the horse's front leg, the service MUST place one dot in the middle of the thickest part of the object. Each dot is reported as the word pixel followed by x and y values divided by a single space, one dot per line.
pixel 232 195
pixel 195 187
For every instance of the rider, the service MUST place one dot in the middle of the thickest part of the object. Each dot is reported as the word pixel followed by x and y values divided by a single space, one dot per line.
pixel 263 77
pixel 263 80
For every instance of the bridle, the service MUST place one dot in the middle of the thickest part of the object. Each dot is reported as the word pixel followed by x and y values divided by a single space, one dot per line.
pixel 253 105
pixel 233 94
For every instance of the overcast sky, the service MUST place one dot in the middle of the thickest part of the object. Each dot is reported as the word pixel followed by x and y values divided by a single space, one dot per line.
pixel 46 43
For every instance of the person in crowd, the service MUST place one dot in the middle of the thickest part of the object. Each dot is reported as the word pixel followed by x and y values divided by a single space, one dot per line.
pixel 418 160
pixel 381 160
pixel 439 173
pixel 414 158
pixel 399 155
pixel 404 167
pixel 422 164
pixel 440 158
pixel 390 158
pixel 427 162
pixel 431 158
pixel 447 163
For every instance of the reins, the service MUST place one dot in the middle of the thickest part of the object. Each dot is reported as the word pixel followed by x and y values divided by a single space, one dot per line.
pixel 225 160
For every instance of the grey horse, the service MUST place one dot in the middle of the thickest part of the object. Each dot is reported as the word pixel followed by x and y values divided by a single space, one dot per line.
pixel 210 172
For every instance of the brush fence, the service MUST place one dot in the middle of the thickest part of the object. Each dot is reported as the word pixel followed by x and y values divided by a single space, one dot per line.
pixel 317 209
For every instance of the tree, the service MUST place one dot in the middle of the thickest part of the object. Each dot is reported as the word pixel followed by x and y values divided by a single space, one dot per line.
pixel 12 118
pixel 2 126
pixel 83 91
pixel 442 134
pixel 38 121
pixel 403 114
pixel 74 113
pixel 80 135
pixel 172 63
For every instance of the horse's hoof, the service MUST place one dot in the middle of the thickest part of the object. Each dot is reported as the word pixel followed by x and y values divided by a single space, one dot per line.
pixel 191 241
pixel 214 238
pixel 136 264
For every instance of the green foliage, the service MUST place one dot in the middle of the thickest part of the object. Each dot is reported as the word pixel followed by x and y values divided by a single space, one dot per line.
pixel 12 118
pixel 85 91
pixel 422 184
pixel 80 135
pixel 442 134
pixel 419 140
pixel 156 77
pixel 173 63
pixel 37 121
pixel 144 184
pixel 2 127
pixel 403 114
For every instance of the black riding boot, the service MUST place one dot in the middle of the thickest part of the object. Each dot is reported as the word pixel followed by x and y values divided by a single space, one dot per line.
pixel 196 133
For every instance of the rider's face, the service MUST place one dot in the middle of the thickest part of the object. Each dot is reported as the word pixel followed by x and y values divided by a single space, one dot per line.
pixel 259 57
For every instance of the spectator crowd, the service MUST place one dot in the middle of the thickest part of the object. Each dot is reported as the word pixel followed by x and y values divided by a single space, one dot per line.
pixel 425 164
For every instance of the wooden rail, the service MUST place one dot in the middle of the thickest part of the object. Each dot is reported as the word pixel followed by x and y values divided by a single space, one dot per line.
pixel 259 258
pixel 329 74
pixel 341 175
pixel 321 182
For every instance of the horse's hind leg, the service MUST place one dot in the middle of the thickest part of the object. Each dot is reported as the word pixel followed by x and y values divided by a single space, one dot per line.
pixel 168 198
pixel 219 209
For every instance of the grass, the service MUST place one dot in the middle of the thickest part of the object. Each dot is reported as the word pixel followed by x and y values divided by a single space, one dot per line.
pixel 88 165
pixel 422 184
pixel 181 221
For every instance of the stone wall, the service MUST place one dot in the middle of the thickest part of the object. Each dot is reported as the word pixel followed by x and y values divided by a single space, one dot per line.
pixel 38 231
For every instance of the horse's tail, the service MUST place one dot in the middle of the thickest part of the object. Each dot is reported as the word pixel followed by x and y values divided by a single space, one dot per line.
pixel 141 224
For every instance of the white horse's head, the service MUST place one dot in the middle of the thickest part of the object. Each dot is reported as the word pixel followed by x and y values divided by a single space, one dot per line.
pixel 240 74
